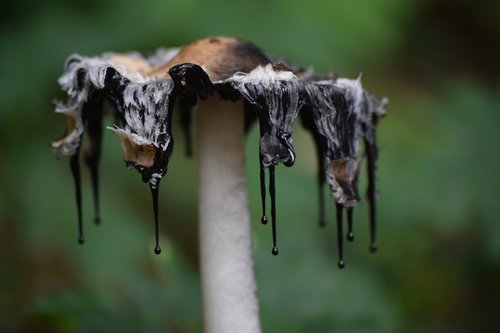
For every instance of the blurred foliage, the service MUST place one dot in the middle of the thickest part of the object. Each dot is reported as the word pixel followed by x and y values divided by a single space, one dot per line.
pixel 438 266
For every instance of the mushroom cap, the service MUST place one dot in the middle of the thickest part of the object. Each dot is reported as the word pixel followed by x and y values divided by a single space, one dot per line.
pixel 220 57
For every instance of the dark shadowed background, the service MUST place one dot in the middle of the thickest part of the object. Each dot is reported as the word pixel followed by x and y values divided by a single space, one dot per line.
pixel 438 265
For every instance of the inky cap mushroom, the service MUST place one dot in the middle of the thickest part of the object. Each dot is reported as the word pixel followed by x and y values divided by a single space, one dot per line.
pixel 143 91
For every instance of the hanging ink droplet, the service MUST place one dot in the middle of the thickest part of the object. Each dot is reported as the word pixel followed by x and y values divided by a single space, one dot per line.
pixel 93 112
pixel 272 194
pixel 350 232
pixel 263 220
pixel 370 157
pixel 154 194
pixel 340 235
pixel 320 147
pixel 75 170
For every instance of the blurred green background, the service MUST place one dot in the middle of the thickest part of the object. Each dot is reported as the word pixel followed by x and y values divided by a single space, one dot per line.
pixel 438 264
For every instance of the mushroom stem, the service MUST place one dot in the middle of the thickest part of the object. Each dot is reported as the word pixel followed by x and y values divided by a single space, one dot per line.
pixel 227 267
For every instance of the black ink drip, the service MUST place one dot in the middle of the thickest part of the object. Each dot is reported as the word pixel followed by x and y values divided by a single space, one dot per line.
pixel 370 156
pixel 114 86
pixel 263 220
pixel 340 235
pixel 272 194
pixel 320 152
pixel 350 232
pixel 93 112
pixel 154 193
pixel 191 82
pixel 75 170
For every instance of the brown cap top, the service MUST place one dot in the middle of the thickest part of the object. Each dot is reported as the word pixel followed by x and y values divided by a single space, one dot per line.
pixel 220 57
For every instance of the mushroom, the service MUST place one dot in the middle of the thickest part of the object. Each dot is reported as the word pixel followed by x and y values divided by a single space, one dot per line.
pixel 231 83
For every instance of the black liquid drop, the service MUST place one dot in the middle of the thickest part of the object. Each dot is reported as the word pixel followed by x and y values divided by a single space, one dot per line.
pixel 272 194
pixel 154 193
pixel 263 220
pixel 340 235
pixel 370 156
pixel 75 170
pixel 93 112
pixel 350 232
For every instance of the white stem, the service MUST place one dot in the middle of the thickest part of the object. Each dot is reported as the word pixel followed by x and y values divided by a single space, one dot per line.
pixel 227 275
